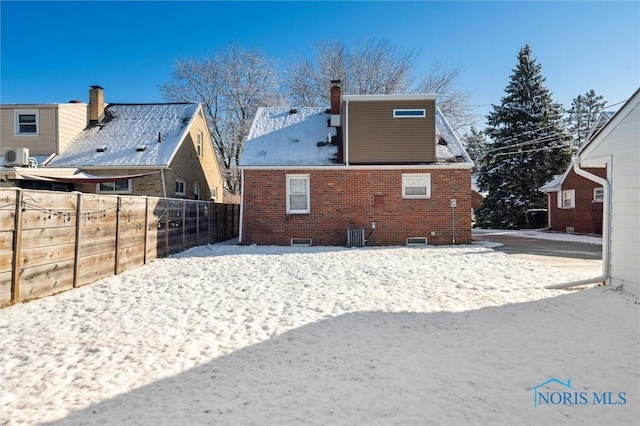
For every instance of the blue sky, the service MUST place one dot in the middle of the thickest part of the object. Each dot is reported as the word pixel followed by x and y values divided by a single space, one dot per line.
pixel 53 51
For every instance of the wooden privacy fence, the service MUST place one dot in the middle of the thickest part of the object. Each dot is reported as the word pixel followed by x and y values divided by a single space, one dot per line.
pixel 54 241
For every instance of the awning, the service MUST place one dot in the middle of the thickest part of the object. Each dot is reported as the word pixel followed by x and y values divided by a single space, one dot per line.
pixel 81 177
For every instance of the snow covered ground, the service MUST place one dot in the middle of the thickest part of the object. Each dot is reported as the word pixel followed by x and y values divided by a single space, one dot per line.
pixel 231 334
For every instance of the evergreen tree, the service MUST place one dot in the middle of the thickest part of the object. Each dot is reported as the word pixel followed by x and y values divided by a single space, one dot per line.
pixel 529 147
pixel 476 146
pixel 583 116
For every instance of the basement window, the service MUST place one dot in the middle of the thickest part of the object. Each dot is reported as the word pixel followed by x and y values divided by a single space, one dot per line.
pixel 409 113
pixel 301 242
pixel 416 241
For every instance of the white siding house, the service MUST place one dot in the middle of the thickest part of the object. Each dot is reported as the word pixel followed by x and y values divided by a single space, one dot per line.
pixel 617 145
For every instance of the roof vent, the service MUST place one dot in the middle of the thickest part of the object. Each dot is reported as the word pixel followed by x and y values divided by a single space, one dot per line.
pixel 293 111
pixel 441 141
pixel 101 149
pixel 159 136
pixel 141 148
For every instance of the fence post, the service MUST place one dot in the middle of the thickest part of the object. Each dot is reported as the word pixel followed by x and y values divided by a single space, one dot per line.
pixel 17 247
pixel 146 229
pixel 117 254
pixel 166 228
pixel 184 224
pixel 76 254
pixel 197 204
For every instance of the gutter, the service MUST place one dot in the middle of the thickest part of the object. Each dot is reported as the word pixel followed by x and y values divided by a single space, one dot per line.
pixel 346 133
pixel 606 227
pixel 164 184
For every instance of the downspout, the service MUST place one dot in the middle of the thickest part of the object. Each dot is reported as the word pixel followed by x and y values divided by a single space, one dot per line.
pixel 346 132
pixel 606 224
pixel 241 205
pixel 164 184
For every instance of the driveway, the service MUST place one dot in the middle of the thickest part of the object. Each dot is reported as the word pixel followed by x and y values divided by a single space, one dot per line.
pixel 576 256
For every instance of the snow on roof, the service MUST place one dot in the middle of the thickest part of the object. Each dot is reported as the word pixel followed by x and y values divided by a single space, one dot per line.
pixel 130 134
pixel 453 148
pixel 280 137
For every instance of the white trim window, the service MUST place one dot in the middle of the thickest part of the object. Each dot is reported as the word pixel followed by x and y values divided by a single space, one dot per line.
pixel 199 143
pixel 214 193
pixel 409 113
pixel 567 199
pixel 298 199
pixel 598 195
pixel 181 187
pixel 416 185
pixel 118 186
pixel 27 122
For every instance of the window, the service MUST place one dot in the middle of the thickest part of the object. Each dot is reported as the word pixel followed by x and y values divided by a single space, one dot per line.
pixel 298 194
pixel 416 185
pixel 598 195
pixel 567 199
pixel 214 193
pixel 409 113
pixel 119 186
pixel 27 122
pixel 196 191
pixel 199 143
pixel 180 188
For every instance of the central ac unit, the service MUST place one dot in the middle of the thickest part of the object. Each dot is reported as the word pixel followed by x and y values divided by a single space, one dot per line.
pixel 15 156
pixel 355 237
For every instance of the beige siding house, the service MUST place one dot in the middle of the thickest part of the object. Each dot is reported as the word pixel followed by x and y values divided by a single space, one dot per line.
pixel 372 133
pixel 617 145
pixel 42 129
pixel 162 150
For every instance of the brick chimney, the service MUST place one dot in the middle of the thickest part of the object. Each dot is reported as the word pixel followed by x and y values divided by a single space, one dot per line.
pixel 335 96
pixel 96 105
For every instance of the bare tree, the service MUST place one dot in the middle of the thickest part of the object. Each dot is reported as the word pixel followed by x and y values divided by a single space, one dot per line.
pixel 376 66
pixel 231 85
pixel 454 103
pixel 371 66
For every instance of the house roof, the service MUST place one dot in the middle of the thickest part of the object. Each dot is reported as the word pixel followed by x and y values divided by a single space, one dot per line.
pixel 279 137
pixel 555 184
pixel 608 127
pixel 130 133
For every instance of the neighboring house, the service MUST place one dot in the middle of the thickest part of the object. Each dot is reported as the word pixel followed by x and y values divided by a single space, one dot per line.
pixel 162 150
pixel 575 202
pixel 380 169
pixel 33 133
pixel 617 145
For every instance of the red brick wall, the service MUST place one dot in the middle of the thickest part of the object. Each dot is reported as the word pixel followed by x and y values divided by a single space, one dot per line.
pixel 586 217
pixel 342 199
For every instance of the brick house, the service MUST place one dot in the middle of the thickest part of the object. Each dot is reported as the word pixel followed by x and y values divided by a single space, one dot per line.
pixel 162 150
pixel 374 169
pixel 575 202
